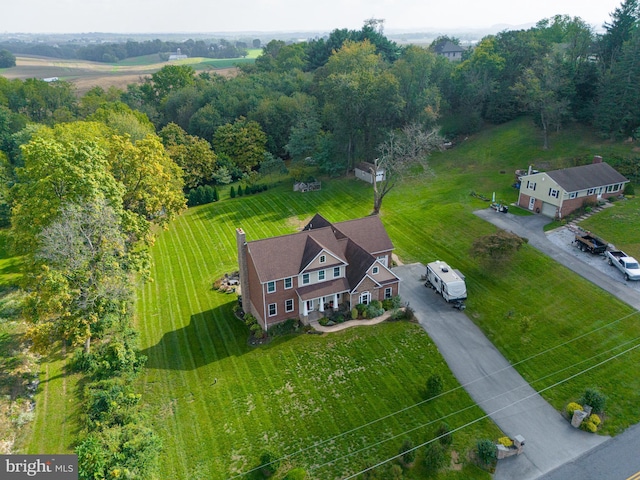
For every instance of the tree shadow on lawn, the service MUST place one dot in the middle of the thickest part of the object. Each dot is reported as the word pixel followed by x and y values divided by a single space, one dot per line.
pixel 209 337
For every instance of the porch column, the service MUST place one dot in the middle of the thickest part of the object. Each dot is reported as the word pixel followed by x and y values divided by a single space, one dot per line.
pixel 321 301
pixel 335 301
pixel 305 312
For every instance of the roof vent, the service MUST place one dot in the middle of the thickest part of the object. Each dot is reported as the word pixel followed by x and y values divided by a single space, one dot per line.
pixel 444 269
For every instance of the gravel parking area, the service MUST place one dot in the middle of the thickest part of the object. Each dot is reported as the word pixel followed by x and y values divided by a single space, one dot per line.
pixel 563 238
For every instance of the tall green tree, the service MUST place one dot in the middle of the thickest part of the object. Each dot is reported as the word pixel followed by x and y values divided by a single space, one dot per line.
pixel 243 141
pixel 361 99
pixel 192 154
pixel 81 283
pixel 624 20
pixel 7 59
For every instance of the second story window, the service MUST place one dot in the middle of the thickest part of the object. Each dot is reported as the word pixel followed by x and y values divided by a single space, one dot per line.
pixel 288 282
pixel 305 278
pixel 321 275
pixel 271 287
pixel 336 272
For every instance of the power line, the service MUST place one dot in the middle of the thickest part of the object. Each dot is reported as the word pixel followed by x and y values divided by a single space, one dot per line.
pixel 355 429
pixel 494 412
pixel 444 417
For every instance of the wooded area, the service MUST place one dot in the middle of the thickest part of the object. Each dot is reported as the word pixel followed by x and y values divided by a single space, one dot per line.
pixel 86 179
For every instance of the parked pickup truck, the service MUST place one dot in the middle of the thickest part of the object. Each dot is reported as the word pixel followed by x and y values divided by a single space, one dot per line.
pixel 626 264
pixel 590 243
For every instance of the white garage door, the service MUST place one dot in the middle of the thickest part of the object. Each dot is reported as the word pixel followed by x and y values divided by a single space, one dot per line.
pixel 549 210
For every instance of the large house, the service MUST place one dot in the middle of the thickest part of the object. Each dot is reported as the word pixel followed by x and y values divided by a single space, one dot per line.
pixel 557 193
pixel 325 265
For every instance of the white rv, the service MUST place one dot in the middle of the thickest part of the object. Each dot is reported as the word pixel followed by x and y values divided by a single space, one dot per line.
pixel 446 281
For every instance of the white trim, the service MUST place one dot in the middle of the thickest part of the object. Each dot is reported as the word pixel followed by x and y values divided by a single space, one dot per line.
pixel 286 308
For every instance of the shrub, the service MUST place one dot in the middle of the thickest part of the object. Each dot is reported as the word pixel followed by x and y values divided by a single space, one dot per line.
pixel 486 452
pixel 434 457
pixel 296 474
pixel 391 303
pixel 588 426
pixel 240 192
pixel 376 304
pixel 506 441
pixel 595 419
pixel 594 399
pixel 361 307
pixel 285 328
pixel 629 190
pixel 572 407
pixel 373 311
pixel 354 313
pixel 434 385
pixel 407 452
pixel 444 434
pixel 232 192
pixel 269 463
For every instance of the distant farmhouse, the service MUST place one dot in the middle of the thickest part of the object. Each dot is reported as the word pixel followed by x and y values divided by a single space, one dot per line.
pixel 557 193
pixel 449 50
pixel 177 56
pixel 304 274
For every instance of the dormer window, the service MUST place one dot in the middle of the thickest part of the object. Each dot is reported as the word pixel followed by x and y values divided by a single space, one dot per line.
pixel 323 258
pixel 375 270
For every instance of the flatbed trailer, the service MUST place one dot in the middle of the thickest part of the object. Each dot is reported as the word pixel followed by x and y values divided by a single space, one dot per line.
pixel 588 242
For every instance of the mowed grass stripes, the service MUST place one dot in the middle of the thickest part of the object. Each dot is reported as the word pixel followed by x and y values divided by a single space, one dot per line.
pixel 218 403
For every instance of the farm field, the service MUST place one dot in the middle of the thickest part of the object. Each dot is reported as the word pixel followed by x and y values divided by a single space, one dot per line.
pixel 218 403
pixel 85 74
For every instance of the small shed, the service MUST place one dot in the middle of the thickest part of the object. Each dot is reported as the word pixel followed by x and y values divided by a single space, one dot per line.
pixel 364 171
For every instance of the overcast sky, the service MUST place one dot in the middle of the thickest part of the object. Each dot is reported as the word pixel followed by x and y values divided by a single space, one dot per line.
pixel 165 16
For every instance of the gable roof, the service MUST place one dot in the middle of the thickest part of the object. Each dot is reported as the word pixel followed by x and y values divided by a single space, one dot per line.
pixel 586 176
pixel 447 47
pixel 354 242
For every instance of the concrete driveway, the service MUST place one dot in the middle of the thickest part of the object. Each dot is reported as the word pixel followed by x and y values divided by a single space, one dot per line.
pixel 494 385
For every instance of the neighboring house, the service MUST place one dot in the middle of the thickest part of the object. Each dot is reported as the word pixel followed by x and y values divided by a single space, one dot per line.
pixel 323 266
pixel 449 50
pixel 557 193
pixel 364 171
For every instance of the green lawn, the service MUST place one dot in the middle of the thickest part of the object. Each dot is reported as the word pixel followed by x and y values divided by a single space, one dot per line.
pixel 217 403
pixel 208 391
pixel 619 225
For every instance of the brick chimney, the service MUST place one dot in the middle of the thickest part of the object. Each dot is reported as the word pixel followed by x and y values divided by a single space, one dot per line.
pixel 597 159
pixel 241 243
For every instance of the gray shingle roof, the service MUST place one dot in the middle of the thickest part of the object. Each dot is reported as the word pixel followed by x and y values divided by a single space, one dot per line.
pixel 586 176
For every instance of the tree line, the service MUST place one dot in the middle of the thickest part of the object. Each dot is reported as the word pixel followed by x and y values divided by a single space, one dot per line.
pixel 86 178
pixel 116 51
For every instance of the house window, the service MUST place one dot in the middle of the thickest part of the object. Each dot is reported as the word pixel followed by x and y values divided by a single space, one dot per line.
pixel 323 258
pixel 375 270
pixel 288 305
pixel 273 309
pixel 305 278
pixel 336 272
pixel 365 298
pixel 321 275
pixel 531 185
pixel 288 282
pixel 591 191
pixel 271 287
pixel 388 292
pixel 573 194
pixel 553 193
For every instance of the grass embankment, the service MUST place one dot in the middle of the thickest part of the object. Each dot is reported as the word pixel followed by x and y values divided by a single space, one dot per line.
pixel 619 225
